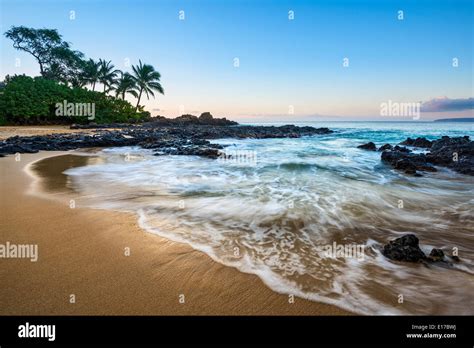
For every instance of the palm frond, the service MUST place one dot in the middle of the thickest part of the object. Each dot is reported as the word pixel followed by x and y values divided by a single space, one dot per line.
pixel 146 79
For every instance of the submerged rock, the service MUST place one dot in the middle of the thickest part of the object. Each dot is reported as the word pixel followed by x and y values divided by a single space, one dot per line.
pixel 405 248
pixel 455 258
pixel 408 162
pixel 369 146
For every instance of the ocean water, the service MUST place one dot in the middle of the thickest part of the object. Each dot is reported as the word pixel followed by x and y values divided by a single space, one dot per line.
pixel 276 211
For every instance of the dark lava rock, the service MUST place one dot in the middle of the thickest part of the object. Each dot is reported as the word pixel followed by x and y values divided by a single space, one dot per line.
pixel 206 117
pixel 94 125
pixel 455 153
pixel 436 255
pixel 446 141
pixel 187 118
pixel 405 248
pixel 455 258
pixel 401 149
pixel 184 120
pixel 418 142
pixel 369 146
pixel 18 148
pixel 407 162
pixel 177 139
pixel 208 152
pixel 385 147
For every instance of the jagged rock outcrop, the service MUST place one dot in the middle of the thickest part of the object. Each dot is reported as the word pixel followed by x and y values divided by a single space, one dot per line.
pixel 407 248
pixel 456 153
pixel 418 142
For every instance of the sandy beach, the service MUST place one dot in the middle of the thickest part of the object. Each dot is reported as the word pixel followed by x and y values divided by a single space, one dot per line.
pixel 25 131
pixel 82 252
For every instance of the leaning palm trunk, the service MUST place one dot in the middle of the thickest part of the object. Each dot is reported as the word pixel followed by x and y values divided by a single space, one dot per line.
pixel 138 102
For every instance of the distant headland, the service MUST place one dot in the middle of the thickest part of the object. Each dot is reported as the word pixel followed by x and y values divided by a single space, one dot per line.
pixel 458 119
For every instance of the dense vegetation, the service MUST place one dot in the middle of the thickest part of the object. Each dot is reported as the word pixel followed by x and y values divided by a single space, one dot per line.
pixel 27 100
pixel 68 77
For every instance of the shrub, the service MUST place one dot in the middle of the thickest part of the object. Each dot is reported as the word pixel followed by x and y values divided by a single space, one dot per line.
pixel 27 100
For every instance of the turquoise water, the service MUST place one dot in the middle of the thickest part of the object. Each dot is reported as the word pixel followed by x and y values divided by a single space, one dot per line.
pixel 276 210
pixel 391 132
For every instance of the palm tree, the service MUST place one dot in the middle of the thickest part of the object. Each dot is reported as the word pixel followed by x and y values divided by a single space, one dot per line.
pixel 147 80
pixel 90 73
pixel 107 74
pixel 125 84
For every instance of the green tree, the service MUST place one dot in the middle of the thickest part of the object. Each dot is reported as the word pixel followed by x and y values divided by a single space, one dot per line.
pixel 147 80
pixel 125 84
pixel 56 59
pixel 90 73
pixel 107 74
pixel 37 42
pixel 66 66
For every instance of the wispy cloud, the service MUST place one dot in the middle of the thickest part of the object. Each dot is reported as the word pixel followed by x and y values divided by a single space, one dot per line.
pixel 446 104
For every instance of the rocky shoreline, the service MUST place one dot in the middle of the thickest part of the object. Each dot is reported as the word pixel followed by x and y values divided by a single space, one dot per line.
pixel 190 135
pixel 182 136
pixel 456 153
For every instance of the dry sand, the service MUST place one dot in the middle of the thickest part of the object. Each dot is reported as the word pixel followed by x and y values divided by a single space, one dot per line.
pixel 23 131
pixel 81 252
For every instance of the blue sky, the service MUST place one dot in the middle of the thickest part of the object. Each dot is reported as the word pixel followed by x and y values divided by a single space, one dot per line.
pixel 289 69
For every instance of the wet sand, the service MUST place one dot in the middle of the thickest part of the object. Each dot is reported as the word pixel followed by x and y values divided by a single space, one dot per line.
pixel 82 252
